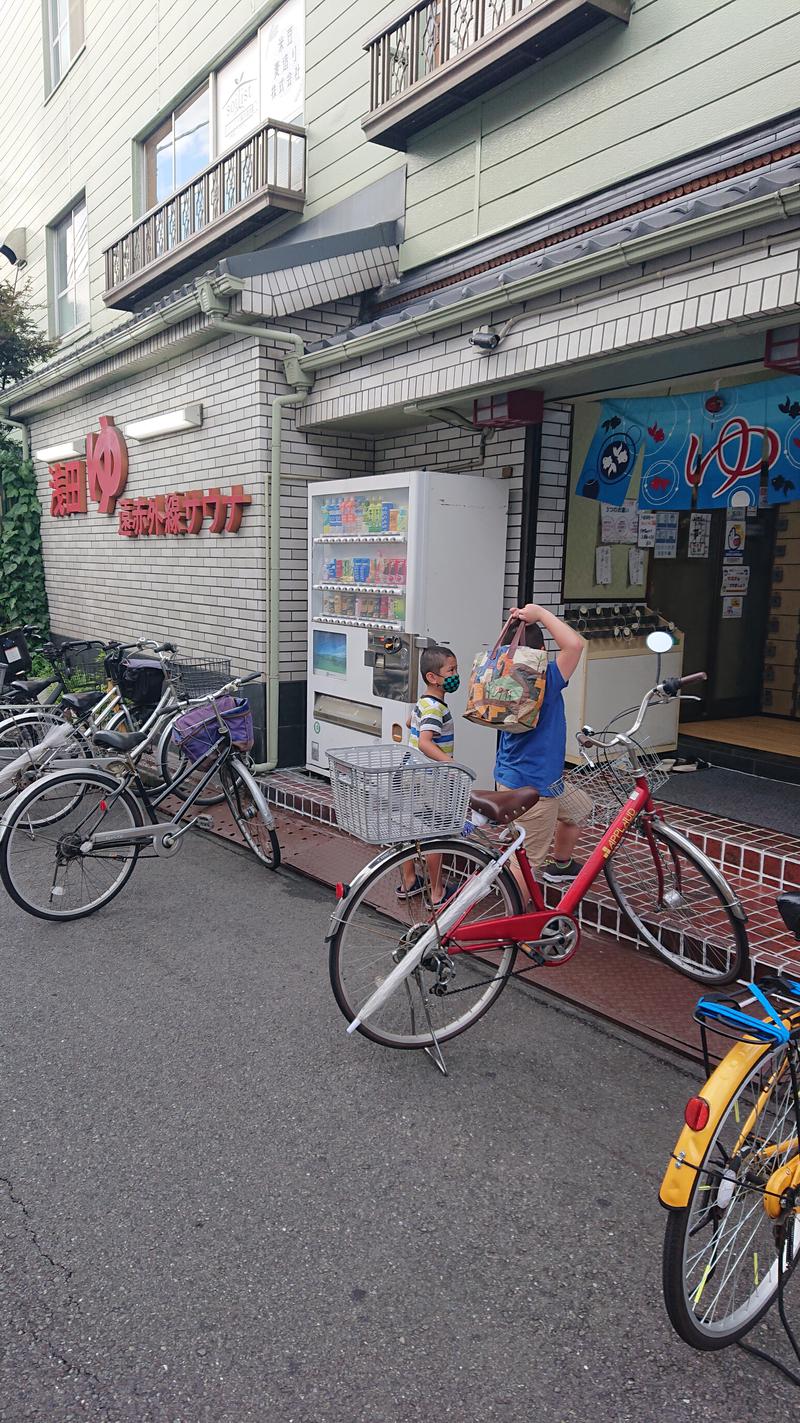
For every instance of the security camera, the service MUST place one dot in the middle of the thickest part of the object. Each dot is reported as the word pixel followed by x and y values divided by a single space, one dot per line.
pixel 12 247
pixel 485 339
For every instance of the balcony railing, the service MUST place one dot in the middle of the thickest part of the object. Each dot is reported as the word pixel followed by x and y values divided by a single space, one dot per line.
pixel 260 179
pixel 442 52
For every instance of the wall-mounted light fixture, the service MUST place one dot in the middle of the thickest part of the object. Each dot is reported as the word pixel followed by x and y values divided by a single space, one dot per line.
pixel 68 450
pixel 189 417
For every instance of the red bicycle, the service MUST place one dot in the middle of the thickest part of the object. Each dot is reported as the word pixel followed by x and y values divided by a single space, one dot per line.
pixel 409 974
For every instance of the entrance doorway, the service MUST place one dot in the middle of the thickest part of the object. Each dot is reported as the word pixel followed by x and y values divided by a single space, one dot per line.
pixel 687 591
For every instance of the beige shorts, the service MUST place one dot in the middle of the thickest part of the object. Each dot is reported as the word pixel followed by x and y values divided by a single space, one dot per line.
pixel 573 806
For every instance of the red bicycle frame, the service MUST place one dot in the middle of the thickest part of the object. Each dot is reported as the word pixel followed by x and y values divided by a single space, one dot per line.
pixel 526 928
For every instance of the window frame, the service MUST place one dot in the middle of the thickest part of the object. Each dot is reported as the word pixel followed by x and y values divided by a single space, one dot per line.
pixel 61 223
pixel 167 126
pixel 73 28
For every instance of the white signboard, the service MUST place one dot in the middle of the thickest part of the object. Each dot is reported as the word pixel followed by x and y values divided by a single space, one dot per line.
pixel 699 535
pixel 283 64
pixel 238 97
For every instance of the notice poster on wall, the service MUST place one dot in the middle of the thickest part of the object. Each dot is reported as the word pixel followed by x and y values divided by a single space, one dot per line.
pixel 602 565
pixel 283 64
pixel 735 579
pixel 699 535
pixel 635 567
pixel 735 536
pixel 666 544
pixel 646 534
pixel 733 606
pixel 619 524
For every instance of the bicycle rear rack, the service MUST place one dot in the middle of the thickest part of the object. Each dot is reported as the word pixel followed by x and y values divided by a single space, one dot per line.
pixel 728 1016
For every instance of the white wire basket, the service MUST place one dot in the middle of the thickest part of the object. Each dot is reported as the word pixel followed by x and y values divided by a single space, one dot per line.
pixel 610 779
pixel 387 794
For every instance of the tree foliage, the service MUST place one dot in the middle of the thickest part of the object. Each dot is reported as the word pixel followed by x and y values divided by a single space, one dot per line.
pixel 22 343
pixel 23 597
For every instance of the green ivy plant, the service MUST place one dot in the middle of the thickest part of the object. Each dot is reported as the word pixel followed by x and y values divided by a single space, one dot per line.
pixel 23 595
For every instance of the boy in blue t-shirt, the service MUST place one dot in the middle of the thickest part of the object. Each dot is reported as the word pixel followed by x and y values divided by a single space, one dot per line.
pixel 536 758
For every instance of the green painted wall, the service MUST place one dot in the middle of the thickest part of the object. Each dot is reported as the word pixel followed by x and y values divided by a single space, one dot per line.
pixel 583 527
pixel 682 74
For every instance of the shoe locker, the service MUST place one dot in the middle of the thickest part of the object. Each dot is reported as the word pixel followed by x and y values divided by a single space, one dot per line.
pixel 780 693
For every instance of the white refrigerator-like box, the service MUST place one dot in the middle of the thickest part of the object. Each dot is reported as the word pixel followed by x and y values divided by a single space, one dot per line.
pixel 397 563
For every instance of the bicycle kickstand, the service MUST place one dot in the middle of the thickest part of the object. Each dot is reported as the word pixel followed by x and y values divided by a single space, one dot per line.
pixel 434 1051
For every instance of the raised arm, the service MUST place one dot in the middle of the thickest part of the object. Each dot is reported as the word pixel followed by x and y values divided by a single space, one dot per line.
pixel 570 644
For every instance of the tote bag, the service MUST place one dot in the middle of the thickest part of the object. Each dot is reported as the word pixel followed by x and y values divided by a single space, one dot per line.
pixel 506 684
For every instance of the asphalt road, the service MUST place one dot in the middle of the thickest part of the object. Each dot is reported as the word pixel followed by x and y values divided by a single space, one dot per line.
pixel 216 1206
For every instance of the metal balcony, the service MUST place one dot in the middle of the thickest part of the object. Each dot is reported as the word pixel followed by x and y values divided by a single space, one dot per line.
pixel 257 181
pixel 442 53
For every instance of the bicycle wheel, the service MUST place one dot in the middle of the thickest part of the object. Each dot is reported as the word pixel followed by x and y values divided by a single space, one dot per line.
pixel 42 864
pixel 675 905
pixel 720 1267
pixel 173 765
pixel 377 927
pixel 23 736
pixel 256 831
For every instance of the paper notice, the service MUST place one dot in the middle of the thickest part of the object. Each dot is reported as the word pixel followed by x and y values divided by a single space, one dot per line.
pixel 735 579
pixel 666 545
pixel 646 535
pixel 699 535
pixel 735 533
pixel 602 565
pixel 635 567
pixel 619 525
pixel 732 607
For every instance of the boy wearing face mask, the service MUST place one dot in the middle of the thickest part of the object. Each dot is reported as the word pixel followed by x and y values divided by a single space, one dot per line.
pixel 431 731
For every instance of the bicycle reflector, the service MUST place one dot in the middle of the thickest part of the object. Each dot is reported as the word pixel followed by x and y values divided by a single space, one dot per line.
pixel 696 1113
pixel 342 890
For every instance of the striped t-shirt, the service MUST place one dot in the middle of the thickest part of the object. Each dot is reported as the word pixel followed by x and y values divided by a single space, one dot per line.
pixel 432 714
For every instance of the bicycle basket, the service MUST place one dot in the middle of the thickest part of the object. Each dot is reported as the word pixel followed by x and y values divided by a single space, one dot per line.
pixel 140 679
pixel 385 794
pixel 610 780
pixel 84 669
pixel 198 731
pixel 201 677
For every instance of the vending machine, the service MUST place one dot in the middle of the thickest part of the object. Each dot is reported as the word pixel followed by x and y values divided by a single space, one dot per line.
pixel 398 563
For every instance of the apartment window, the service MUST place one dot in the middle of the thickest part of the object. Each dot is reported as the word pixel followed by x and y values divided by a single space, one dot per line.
pixel 64 37
pixel 179 148
pixel 70 253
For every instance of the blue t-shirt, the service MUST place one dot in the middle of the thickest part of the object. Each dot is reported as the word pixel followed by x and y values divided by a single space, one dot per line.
pixel 536 758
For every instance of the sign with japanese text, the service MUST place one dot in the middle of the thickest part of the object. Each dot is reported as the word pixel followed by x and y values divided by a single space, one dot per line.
pixel 710 450
pixel 102 477
pixel 161 514
pixel 283 64
pixel 238 97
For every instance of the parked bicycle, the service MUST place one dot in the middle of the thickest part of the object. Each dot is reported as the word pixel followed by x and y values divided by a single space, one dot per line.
pixel 70 842
pixel 409 974
pixel 732 1187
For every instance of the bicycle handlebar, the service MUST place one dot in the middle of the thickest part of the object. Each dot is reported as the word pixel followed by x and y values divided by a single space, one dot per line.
pixel 664 691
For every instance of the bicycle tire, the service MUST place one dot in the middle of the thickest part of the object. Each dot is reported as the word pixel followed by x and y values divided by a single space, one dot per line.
pixel 258 833
pixel 389 867
pixel 19 826
pixel 724 1183
pixel 23 734
pixel 663 927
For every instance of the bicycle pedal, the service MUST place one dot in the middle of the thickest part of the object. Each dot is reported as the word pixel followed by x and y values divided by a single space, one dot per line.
pixel 203 822
pixel 533 954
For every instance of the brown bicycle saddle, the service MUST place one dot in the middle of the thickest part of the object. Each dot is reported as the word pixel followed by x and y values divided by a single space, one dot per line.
pixel 503 806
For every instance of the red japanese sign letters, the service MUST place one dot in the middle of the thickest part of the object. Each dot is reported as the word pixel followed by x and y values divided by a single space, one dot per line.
pixel 103 475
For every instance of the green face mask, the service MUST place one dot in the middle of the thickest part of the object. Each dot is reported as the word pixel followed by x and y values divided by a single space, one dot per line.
pixel 451 683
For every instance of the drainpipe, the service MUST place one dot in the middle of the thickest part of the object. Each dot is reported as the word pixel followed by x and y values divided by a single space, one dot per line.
pixel 23 430
pixel 215 308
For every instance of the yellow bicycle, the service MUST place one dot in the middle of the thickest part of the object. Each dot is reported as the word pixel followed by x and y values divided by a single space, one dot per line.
pixel 732 1187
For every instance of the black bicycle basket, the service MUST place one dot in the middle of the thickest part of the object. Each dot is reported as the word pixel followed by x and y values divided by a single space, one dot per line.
pixel 140 679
